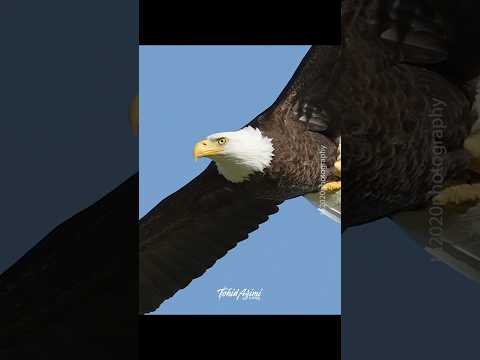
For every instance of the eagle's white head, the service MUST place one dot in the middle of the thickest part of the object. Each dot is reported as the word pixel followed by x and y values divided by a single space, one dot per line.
pixel 237 154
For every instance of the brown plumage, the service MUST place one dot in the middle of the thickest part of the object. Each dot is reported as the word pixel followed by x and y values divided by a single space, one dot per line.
pixel 400 66
pixel 398 111
pixel 409 73
pixel 186 233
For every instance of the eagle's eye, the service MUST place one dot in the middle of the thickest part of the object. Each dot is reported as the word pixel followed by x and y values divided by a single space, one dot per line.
pixel 222 141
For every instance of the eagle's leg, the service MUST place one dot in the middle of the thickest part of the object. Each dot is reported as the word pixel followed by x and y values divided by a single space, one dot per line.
pixel 472 145
pixel 458 194
pixel 334 185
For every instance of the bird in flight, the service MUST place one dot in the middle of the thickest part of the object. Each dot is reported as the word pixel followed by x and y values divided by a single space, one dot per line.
pixel 401 65
pixel 283 153
pixel 409 99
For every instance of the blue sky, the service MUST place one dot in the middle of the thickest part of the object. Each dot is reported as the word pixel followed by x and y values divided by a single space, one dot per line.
pixel 188 92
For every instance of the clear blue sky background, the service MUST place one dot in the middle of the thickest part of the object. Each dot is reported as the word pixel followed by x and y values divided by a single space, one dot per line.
pixel 188 92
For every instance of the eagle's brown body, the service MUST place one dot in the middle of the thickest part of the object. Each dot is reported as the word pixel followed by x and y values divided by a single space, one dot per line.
pixel 391 105
pixel 185 233
pixel 403 127
pixel 300 157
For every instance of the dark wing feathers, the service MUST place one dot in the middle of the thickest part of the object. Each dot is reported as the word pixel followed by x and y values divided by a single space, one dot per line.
pixel 388 107
pixel 304 97
pixel 73 290
pixel 186 233
pixel 332 89
pixel 190 230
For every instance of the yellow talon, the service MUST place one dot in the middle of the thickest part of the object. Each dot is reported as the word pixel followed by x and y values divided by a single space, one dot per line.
pixel 458 194
pixel 332 186
pixel 338 168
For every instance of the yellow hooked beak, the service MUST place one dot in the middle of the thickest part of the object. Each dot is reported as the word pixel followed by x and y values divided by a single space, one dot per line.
pixel 206 148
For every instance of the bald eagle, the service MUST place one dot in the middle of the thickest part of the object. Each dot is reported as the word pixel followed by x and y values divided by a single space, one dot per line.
pixel 283 153
pixel 400 64
pixel 409 94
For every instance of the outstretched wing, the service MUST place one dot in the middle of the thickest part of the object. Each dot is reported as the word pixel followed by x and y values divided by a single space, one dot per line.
pixel 72 289
pixel 387 118
pixel 305 97
pixel 187 232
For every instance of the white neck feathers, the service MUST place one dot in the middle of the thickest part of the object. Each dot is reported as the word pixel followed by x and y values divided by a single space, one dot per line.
pixel 247 152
